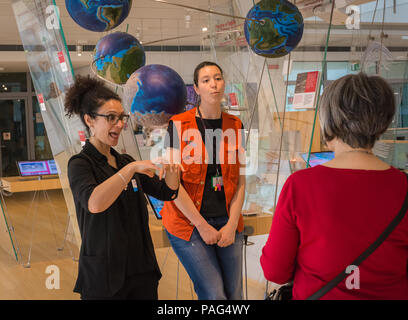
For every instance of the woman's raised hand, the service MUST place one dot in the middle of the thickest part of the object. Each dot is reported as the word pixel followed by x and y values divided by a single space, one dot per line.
pixel 146 167
pixel 171 162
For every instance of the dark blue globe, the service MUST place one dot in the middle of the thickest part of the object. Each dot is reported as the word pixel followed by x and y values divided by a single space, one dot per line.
pixel 117 56
pixel 154 93
pixel 98 16
pixel 278 29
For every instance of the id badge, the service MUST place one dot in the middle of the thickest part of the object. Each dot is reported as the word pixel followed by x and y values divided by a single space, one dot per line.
pixel 217 183
pixel 134 185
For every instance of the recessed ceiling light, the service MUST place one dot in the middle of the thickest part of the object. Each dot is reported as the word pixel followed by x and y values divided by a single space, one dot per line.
pixel 204 29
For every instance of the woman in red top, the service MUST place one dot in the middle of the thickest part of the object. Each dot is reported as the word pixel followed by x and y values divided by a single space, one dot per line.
pixel 328 215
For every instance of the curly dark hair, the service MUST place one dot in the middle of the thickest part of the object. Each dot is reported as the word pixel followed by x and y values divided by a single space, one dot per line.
pixel 86 96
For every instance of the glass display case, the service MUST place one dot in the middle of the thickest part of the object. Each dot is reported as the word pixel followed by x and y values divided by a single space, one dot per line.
pixel 281 135
pixel 334 43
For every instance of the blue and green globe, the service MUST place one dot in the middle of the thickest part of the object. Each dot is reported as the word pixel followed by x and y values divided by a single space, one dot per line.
pixel 117 56
pixel 98 16
pixel 154 93
pixel 277 30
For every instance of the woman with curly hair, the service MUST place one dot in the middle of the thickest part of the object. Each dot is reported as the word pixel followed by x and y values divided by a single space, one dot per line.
pixel 117 259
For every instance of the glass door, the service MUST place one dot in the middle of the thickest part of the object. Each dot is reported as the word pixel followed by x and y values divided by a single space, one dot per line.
pixel 13 135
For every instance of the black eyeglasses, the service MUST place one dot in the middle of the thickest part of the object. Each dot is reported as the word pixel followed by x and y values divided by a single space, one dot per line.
pixel 113 118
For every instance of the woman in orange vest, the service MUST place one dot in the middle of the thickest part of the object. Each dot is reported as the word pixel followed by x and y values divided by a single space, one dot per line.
pixel 204 224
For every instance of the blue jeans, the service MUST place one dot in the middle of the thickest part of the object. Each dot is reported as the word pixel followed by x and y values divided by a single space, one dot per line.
pixel 216 272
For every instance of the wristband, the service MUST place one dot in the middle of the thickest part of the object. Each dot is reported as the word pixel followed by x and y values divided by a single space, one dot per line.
pixel 124 181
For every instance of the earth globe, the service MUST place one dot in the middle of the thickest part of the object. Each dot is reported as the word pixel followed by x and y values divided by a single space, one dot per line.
pixel 154 93
pixel 273 28
pixel 117 56
pixel 98 16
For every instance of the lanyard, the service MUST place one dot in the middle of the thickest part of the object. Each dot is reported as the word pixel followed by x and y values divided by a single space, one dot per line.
pixel 205 134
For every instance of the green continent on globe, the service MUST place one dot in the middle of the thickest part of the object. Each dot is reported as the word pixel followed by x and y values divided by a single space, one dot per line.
pixel 272 38
pixel 109 15
pixel 104 70
pixel 110 70
pixel 298 18
pixel 119 69
pixel 114 69
pixel 281 52
pixel 285 8
pixel 268 5
pixel 131 61
pixel 85 2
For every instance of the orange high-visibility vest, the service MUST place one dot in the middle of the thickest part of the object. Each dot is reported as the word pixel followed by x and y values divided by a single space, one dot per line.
pixel 194 162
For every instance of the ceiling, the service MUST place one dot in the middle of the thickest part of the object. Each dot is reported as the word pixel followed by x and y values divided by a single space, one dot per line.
pixel 152 22
pixel 148 21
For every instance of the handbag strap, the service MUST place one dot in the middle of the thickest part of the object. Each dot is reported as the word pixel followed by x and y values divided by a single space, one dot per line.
pixel 320 293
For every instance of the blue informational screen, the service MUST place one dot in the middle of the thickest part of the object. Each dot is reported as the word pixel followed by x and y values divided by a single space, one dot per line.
pixel 37 168
pixel 157 205
pixel 317 158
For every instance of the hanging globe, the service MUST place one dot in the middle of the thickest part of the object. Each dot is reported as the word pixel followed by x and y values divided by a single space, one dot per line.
pixel 117 56
pixel 98 16
pixel 277 30
pixel 154 93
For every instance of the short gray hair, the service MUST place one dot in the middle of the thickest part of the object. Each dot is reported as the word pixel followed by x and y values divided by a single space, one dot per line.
pixel 357 109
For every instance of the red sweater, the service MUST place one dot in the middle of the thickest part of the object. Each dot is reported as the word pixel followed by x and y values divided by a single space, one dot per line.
pixel 325 218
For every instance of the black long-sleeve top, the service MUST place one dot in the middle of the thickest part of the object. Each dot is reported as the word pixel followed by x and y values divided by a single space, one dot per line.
pixel 115 243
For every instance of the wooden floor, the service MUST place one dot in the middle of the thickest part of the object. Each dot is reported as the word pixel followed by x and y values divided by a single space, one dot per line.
pixel 19 282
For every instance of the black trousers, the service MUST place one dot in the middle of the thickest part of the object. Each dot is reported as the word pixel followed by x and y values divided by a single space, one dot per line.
pixel 136 287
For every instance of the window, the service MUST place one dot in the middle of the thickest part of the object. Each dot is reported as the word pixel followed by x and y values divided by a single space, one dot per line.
pixel 13 82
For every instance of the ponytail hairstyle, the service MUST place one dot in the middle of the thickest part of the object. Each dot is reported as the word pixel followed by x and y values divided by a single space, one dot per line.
pixel 86 96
